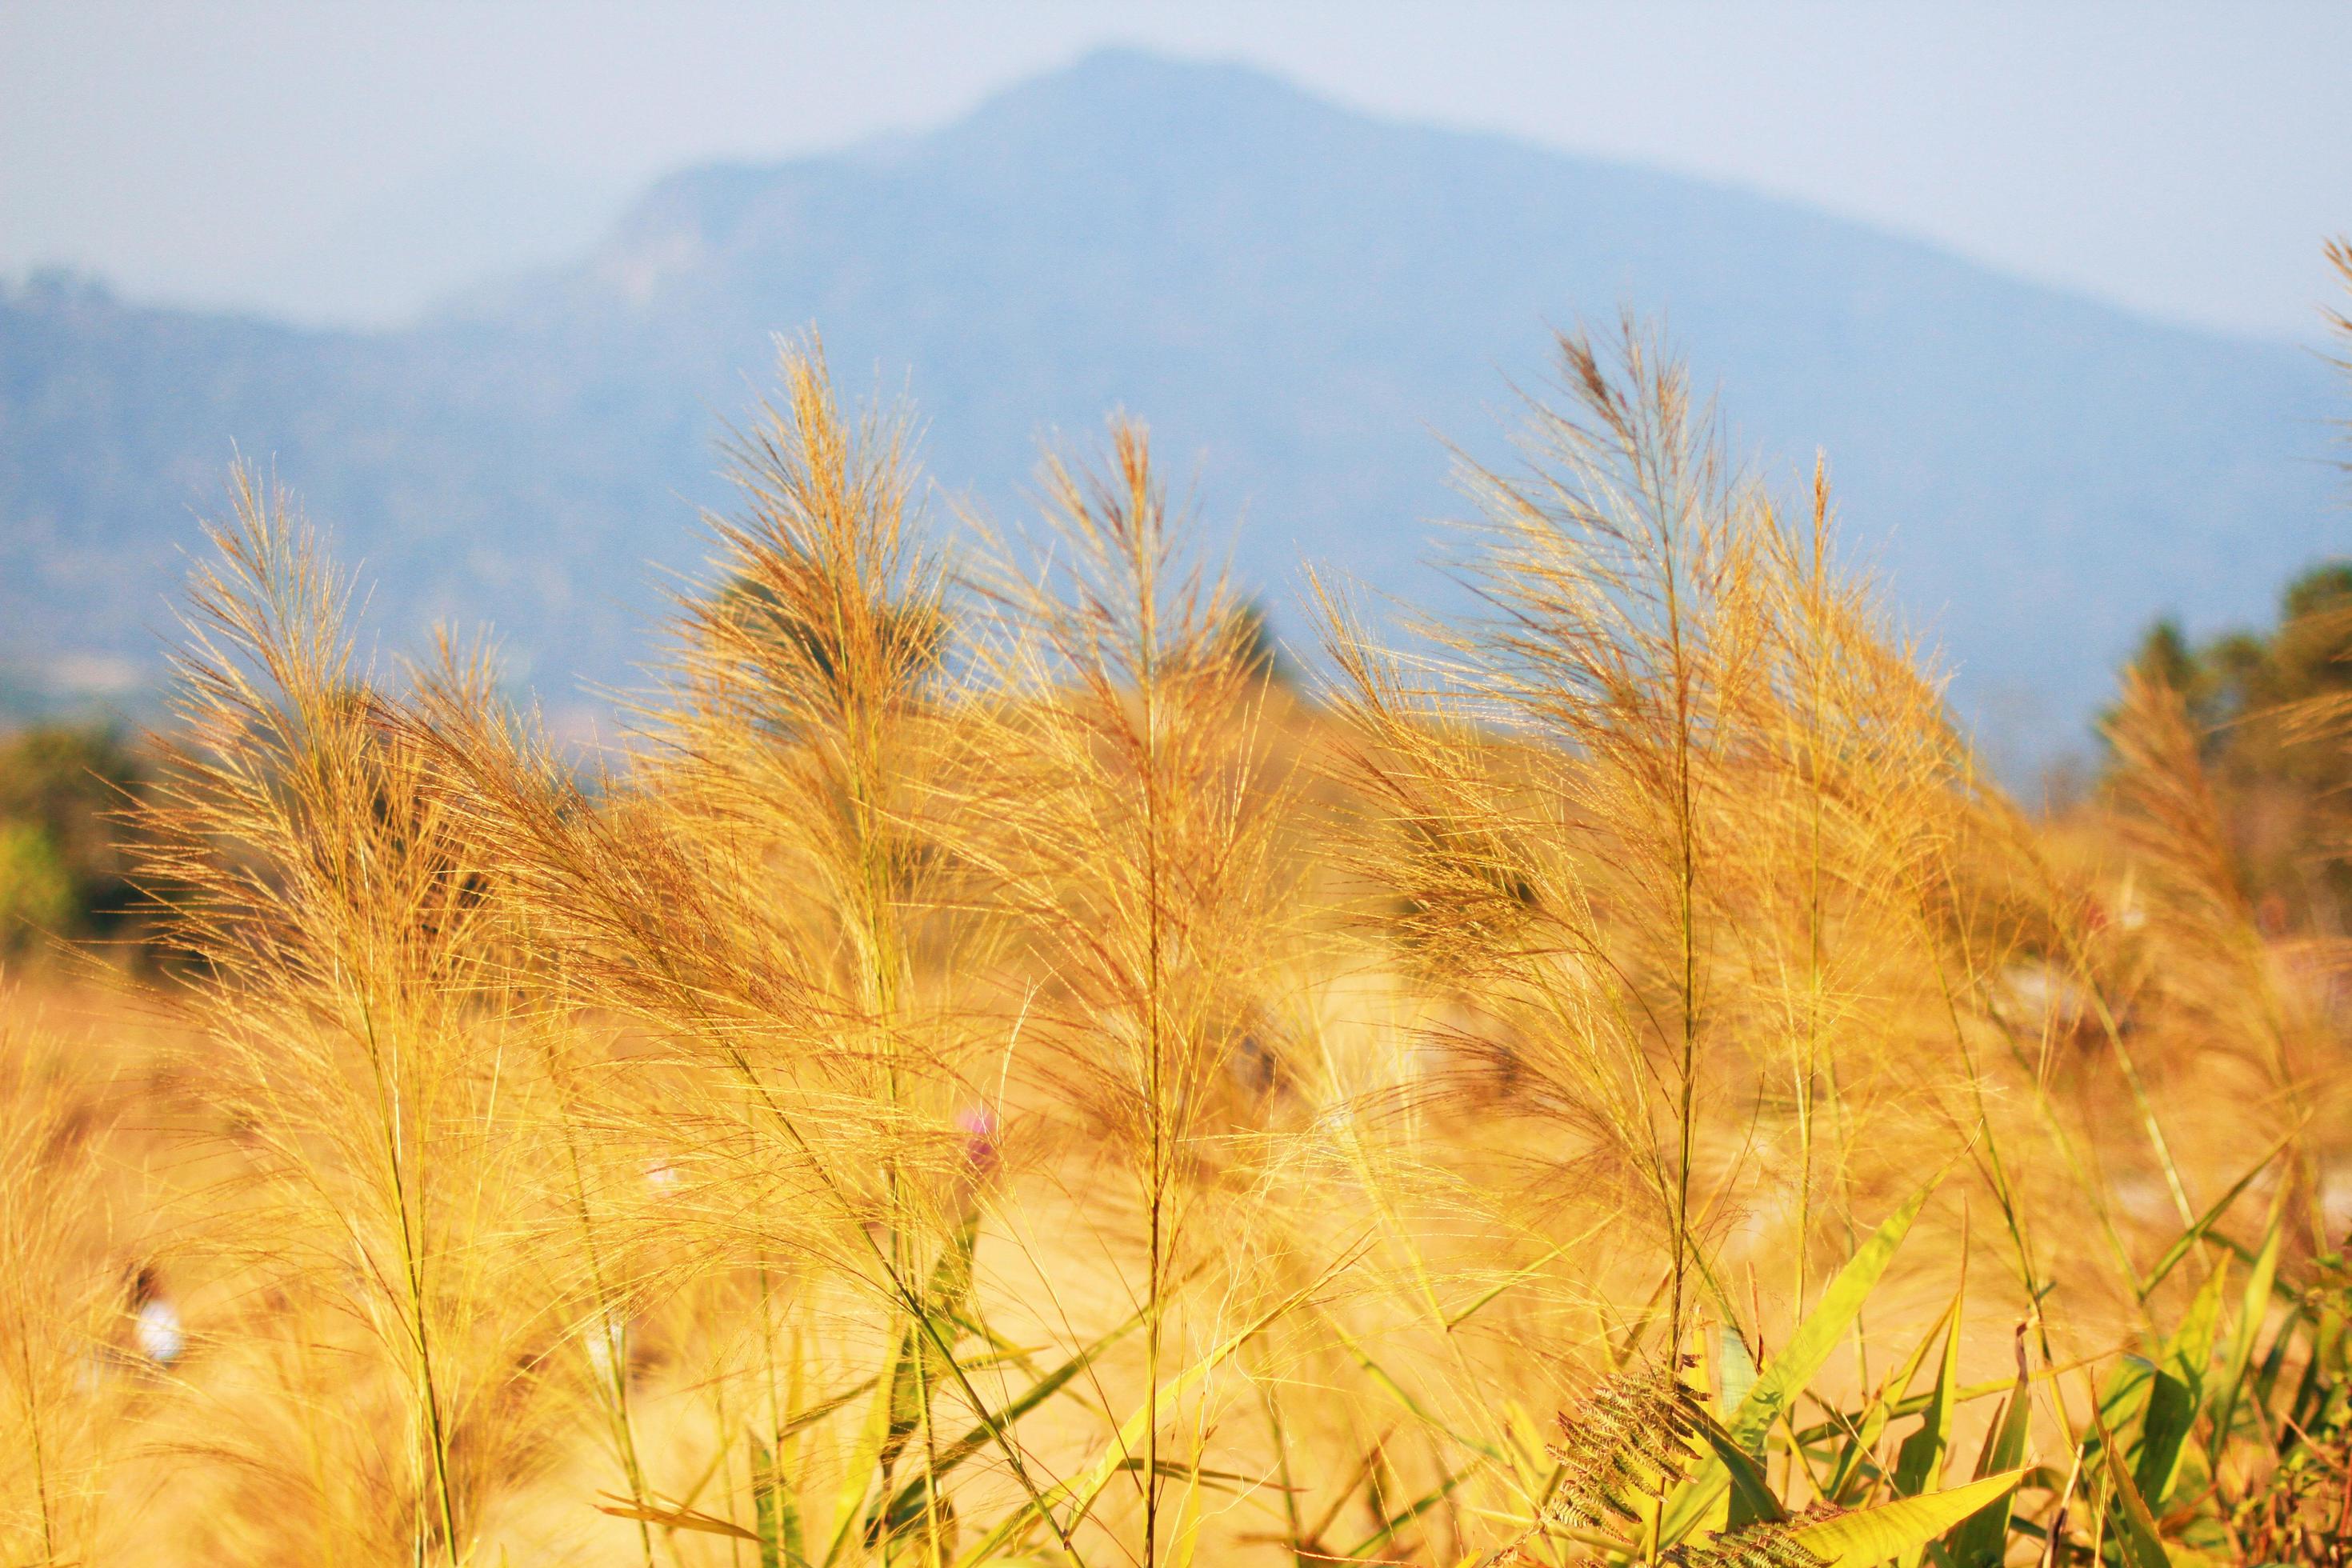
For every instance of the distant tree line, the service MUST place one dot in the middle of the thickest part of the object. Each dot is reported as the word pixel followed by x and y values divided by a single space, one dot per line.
pixel 64 865
pixel 2273 709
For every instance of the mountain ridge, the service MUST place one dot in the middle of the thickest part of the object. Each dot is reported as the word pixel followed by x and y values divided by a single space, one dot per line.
pixel 1293 294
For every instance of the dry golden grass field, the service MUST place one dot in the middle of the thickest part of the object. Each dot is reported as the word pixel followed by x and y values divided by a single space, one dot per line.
pixel 988 1071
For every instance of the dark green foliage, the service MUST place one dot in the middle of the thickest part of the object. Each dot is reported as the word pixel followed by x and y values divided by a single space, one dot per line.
pixel 775 1512
pixel 2241 677
pixel 1251 632
pixel 2274 711
pixel 2302 1511
pixel 63 868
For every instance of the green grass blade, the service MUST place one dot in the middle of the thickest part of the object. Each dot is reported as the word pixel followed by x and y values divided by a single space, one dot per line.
pixel 801 1420
pixel 2229 1392
pixel 767 1503
pixel 1862 1435
pixel 2205 1222
pixel 1969 1392
pixel 919 1368
pixel 993 1424
pixel 1082 1490
pixel 1406 1515
pixel 1919 1463
pixel 2180 1390
pixel 1123 1446
pixel 2135 1531
pixel 1737 1379
pixel 672 1516
pixel 1404 1396
pixel 1752 1501
pixel 1808 1349
pixel 1983 1540
pixel 1901 1528
pixel 865 1464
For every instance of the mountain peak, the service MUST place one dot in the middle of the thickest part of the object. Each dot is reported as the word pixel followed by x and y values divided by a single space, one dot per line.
pixel 1119 78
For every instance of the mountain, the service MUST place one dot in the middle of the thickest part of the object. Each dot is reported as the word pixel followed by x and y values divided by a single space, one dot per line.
pixel 1305 303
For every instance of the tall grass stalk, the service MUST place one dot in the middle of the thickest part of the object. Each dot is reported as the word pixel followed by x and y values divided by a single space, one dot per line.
pixel 351 970
pixel 1132 803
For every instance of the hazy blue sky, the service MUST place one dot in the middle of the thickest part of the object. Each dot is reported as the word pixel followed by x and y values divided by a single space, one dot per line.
pixel 351 161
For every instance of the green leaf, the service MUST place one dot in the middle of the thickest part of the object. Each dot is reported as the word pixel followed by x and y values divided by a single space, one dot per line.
pixel 1919 1464
pixel 2205 1222
pixel 2125 1391
pixel 1982 1541
pixel 857 1476
pixel 774 1511
pixel 1900 1528
pixel 1737 1374
pixel 2179 1389
pixel 2135 1526
pixel 1862 1434
pixel 2252 1308
pixel 1752 1501
pixel 1808 1349
pixel 910 1496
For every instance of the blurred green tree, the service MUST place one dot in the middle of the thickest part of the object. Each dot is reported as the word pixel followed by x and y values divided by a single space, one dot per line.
pixel 64 870
pixel 2275 712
